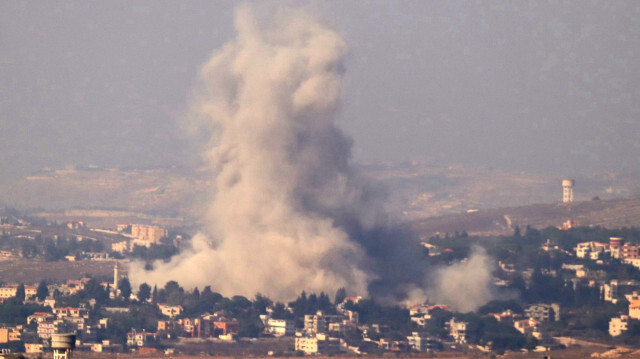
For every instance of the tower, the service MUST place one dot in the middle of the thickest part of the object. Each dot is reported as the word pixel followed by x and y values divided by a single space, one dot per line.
pixel 567 190
pixel 115 278
pixel 63 345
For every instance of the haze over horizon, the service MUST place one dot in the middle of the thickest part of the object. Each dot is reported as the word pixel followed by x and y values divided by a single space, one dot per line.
pixel 518 86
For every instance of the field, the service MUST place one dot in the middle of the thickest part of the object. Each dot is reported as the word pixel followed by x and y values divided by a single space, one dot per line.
pixel 29 271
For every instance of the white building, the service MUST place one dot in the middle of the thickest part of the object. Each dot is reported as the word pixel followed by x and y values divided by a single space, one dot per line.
pixel 458 331
pixel 421 343
pixel 280 327
pixel 318 344
pixel 591 250
pixel 618 325
pixel 319 323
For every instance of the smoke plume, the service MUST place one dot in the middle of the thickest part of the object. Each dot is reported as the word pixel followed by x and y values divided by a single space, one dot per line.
pixel 281 165
pixel 288 211
pixel 465 285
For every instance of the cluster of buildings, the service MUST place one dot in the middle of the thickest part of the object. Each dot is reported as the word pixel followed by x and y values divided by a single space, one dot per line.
pixel 141 235
pixel 619 325
pixel 205 326
pixel 322 332
pixel 616 248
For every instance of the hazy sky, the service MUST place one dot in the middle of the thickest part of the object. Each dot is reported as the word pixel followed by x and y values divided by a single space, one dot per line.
pixel 535 86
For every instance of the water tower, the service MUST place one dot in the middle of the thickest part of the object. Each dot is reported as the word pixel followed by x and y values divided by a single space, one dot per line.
pixel 63 345
pixel 567 190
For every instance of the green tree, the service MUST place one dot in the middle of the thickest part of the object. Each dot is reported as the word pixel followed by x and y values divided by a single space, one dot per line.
pixel 340 295
pixel 20 294
pixel 144 292
pixel 42 292
pixel 261 303
pixel 125 288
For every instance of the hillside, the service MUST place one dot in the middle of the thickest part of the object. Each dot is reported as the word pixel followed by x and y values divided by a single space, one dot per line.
pixel 613 213
pixel 411 191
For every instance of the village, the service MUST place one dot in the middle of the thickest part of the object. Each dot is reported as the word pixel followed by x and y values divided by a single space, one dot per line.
pixel 552 286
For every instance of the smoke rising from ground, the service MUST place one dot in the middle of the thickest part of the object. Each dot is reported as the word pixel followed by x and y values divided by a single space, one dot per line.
pixel 288 212
pixel 465 285
pixel 282 174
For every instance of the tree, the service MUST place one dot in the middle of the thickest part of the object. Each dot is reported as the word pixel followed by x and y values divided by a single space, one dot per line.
pixel 154 295
pixel 42 292
pixel 261 303
pixel 20 294
pixel 144 292
pixel 340 295
pixel 125 288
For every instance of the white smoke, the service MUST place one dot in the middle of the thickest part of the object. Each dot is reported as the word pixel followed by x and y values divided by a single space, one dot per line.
pixel 464 285
pixel 288 213
pixel 282 174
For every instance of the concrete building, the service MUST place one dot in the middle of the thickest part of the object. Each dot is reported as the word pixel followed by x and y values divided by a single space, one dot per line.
pixel 280 327
pixel 120 247
pixel 150 234
pixel 72 312
pixel 422 343
pixel 458 331
pixel 592 250
pixel 318 344
pixel 528 327
pixel 10 335
pixel 47 329
pixel 63 345
pixel 543 312
pixel 142 339
pixel 610 291
pixel 38 317
pixel 9 291
pixel 634 305
pixel 567 190
pixel 170 311
pixel 319 322
pixel 618 325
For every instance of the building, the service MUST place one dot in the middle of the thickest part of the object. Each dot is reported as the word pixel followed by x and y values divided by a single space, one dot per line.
pixel 618 325
pixel 319 322
pixel 629 251
pixel 422 343
pixel 318 344
pixel 120 247
pixel 458 331
pixel 280 327
pixel 10 335
pixel 71 312
pixel 62 345
pixel 150 234
pixel 197 327
pixel 567 190
pixel 38 317
pixel 225 327
pixel 47 329
pixel 634 305
pixel 529 327
pixel 9 291
pixel 142 339
pixel 33 348
pixel 591 250
pixel 75 224
pixel 170 311
pixel 610 291
pixel 543 312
